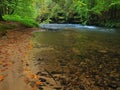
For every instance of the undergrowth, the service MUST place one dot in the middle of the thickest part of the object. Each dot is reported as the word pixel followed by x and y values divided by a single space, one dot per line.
pixel 28 22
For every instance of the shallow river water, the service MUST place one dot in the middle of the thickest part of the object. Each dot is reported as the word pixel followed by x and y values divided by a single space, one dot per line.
pixel 88 56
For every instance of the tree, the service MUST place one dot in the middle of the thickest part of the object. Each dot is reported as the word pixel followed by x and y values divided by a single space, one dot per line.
pixel 23 8
pixel 7 7
pixel 60 11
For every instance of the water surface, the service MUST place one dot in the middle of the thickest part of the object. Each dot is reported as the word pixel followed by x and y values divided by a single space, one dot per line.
pixel 87 51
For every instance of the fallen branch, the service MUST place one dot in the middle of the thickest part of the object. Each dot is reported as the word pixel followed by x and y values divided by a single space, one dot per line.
pixel 50 75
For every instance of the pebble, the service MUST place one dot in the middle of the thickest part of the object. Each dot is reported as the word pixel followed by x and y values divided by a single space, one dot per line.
pixel 27 64
pixel 57 88
pixel 40 88
pixel 38 73
pixel 82 87
pixel 114 86
pixel 51 85
pixel 47 83
pixel 42 79
pixel 43 74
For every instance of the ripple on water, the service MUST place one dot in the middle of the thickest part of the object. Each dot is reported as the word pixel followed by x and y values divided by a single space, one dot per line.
pixel 76 26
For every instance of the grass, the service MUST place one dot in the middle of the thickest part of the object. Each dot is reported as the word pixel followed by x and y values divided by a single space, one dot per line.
pixel 28 22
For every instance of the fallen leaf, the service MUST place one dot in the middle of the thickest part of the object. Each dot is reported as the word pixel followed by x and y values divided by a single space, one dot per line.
pixel 5 65
pixel 30 46
pixel 38 83
pixel 1 77
pixel 9 63
pixel 4 69
pixel 26 54
pixel 26 80
pixel 19 50
pixel 34 76
pixel 35 88
pixel 26 69
pixel 1 62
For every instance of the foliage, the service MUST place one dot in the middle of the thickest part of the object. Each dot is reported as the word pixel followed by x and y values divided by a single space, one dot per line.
pixel 82 11
pixel 63 11
pixel 25 9
pixel 28 22
pixel 19 10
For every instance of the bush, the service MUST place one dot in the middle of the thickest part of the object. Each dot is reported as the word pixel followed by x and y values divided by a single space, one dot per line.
pixel 111 24
pixel 28 22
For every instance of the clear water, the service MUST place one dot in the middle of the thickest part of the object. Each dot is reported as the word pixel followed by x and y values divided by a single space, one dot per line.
pixel 87 51
pixel 80 39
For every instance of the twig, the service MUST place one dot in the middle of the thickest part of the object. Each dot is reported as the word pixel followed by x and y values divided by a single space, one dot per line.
pixel 50 75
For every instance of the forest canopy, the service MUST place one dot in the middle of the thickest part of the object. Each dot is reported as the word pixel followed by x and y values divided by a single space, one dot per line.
pixel 96 12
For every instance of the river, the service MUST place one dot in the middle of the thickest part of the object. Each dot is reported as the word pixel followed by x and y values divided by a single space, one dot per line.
pixel 88 56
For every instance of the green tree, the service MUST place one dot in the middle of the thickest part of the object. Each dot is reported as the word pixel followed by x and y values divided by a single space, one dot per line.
pixel 23 11
pixel 99 12
pixel 7 7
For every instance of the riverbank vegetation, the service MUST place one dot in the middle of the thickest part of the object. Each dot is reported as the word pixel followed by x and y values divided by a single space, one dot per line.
pixel 91 12
pixel 22 11
pixel 95 12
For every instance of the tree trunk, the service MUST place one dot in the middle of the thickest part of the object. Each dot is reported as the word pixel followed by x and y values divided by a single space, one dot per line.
pixel 1 13
pixel 1 10
pixel 1 19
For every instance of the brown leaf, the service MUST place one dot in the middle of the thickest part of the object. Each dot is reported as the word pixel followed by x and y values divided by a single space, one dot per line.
pixel 38 83
pixel 26 80
pixel 4 69
pixel 35 88
pixel 1 62
pixel 1 77
pixel 33 76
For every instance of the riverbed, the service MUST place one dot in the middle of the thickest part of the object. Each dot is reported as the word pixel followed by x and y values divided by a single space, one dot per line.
pixel 80 58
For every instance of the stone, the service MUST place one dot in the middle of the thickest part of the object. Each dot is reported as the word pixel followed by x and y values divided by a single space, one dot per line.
pixel 112 85
pixel 57 88
pixel 42 79
pixel 40 88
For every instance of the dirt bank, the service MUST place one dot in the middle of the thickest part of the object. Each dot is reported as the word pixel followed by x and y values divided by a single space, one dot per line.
pixel 15 48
